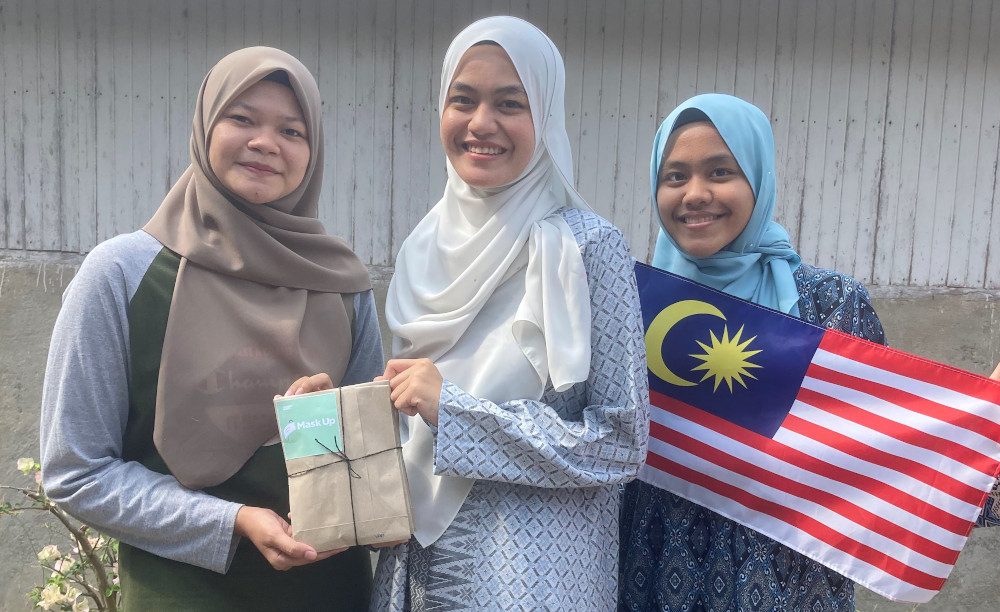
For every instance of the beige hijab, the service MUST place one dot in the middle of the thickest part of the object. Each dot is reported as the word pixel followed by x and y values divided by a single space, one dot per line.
pixel 257 299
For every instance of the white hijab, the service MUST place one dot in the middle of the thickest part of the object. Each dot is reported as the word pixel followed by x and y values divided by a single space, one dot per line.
pixel 490 285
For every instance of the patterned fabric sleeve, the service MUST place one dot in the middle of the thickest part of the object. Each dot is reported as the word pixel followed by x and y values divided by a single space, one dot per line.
pixel 530 442
pixel 837 301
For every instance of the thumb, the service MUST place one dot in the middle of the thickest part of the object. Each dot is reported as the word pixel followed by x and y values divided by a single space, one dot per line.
pixel 293 549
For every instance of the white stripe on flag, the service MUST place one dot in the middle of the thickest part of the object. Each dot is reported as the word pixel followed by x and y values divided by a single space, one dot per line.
pixel 899 480
pixel 830 518
pixel 932 459
pixel 941 395
pixel 959 436
pixel 874 578
pixel 860 497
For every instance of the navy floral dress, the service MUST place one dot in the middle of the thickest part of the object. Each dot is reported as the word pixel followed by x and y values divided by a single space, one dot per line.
pixel 679 556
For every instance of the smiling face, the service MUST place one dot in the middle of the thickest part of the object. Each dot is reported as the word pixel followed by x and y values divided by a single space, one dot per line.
pixel 704 200
pixel 486 126
pixel 259 148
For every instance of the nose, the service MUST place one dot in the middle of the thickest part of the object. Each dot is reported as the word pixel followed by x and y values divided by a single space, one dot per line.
pixel 483 120
pixel 698 192
pixel 264 141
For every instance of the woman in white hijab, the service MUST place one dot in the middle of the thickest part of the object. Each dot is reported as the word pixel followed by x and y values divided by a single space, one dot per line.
pixel 518 353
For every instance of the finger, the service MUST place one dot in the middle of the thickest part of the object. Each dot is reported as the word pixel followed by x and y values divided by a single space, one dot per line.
pixel 395 366
pixel 291 549
pixel 319 382
pixel 398 388
pixel 296 385
pixel 326 554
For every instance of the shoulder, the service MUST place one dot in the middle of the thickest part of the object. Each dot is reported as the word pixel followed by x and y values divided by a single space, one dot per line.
pixel 826 285
pixel 837 301
pixel 592 230
pixel 118 263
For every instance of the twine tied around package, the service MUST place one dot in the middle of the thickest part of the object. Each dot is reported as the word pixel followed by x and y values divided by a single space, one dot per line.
pixel 350 472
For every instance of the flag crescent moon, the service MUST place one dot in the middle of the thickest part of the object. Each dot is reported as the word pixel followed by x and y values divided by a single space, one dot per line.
pixel 659 328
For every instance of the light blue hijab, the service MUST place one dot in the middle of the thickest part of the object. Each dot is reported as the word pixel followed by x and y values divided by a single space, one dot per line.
pixel 758 265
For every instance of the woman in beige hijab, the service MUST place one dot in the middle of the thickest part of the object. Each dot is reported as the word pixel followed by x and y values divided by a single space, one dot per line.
pixel 157 424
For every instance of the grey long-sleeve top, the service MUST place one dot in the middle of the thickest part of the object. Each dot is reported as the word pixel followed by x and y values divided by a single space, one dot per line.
pixel 85 404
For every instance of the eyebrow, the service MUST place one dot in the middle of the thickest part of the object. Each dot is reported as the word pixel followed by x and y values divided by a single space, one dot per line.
pixel 253 109
pixel 505 90
pixel 715 159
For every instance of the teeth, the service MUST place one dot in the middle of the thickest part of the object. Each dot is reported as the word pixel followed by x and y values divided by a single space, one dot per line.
pixel 484 150
pixel 700 219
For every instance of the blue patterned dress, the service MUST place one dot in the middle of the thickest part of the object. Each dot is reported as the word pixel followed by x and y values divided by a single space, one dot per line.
pixel 539 529
pixel 679 556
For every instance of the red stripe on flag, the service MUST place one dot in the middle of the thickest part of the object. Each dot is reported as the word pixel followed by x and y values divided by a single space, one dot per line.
pixel 897 430
pixel 959 418
pixel 787 454
pixel 910 366
pixel 871 521
pixel 821 532
pixel 932 478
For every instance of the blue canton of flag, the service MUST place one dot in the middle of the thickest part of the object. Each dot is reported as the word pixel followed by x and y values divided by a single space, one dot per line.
pixel 738 363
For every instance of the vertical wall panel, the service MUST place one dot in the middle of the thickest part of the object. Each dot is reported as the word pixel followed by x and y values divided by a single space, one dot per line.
pixel 32 120
pixel 928 254
pixel 637 224
pixel 146 144
pixel 587 160
pixel 6 92
pixel 813 216
pixel 172 65
pixel 404 114
pixel 382 135
pixel 834 89
pixel 67 170
pixel 985 218
pixel 990 148
pixel 609 112
pixel 13 95
pixel 343 186
pixel 45 210
pixel 744 71
pixel 958 149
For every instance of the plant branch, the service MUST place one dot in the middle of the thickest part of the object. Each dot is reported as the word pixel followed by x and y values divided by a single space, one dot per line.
pixel 82 542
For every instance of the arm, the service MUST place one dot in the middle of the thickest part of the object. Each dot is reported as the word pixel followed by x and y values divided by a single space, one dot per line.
pixel 529 442
pixel 85 405
pixel 367 360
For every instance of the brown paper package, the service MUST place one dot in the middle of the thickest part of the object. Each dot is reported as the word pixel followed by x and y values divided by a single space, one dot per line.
pixel 332 499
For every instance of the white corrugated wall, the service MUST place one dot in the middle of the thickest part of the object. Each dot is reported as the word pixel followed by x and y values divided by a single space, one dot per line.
pixel 886 114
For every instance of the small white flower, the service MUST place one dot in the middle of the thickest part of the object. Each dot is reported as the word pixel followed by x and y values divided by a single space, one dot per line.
pixel 48 553
pixel 26 465
pixel 81 605
pixel 49 597
pixel 63 565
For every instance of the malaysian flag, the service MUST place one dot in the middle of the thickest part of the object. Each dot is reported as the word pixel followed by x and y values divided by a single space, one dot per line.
pixel 871 461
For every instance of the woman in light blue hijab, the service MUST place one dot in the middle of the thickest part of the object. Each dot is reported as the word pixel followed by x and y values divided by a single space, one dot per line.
pixel 713 186
pixel 758 265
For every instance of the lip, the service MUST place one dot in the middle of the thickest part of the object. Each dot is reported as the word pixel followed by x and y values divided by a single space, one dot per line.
pixel 259 168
